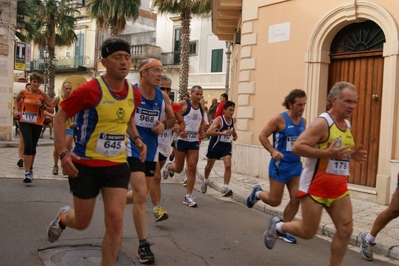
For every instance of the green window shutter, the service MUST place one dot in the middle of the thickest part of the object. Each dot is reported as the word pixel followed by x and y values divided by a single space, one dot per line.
pixel 217 60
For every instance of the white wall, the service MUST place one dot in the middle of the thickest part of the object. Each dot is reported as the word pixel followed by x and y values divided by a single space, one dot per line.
pixel 201 31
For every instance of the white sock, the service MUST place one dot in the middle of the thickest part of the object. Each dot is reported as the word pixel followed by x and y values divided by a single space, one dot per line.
pixel 205 181
pixel 225 186
pixel 369 238
pixel 278 227
pixel 188 195
pixel 155 207
pixel 257 194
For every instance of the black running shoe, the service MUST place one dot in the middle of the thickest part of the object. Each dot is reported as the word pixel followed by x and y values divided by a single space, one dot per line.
pixel 144 253
pixel 20 163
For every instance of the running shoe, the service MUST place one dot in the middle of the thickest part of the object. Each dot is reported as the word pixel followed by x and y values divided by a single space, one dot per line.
pixel 63 172
pixel 54 229
pixel 252 198
pixel 189 201
pixel 20 163
pixel 288 238
pixel 165 172
pixel 366 247
pixel 160 214
pixel 270 236
pixel 226 192
pixel 51 137
pixel 171 173
pixel 145 254
pixel 55 170
pixel 204 186
pixel 28 178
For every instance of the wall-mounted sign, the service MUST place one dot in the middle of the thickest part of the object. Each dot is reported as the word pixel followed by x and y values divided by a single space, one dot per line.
pixel 279 32
pixel 19 56
pixel 3 49
pixel 19 66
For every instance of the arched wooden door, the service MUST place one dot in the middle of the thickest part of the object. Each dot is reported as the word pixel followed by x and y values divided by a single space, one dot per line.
pixel 362 65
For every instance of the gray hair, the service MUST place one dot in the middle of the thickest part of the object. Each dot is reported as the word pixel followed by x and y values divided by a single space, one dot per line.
pixel 336 91
pixel 166 79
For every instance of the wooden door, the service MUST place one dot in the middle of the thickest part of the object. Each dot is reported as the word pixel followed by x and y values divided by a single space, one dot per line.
pixel 365 71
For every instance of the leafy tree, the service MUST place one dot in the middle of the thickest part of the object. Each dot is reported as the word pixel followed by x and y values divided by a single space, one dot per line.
pixel 112 14
pixel 184 8
pixel 53 23
pixel 23 25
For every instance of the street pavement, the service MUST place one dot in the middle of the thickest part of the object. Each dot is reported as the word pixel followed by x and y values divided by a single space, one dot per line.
pixel 364 212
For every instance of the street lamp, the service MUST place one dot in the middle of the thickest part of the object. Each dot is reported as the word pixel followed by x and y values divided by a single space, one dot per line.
pixel 228 54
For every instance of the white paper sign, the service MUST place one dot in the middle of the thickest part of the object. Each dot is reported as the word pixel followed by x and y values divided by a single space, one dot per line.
pixel 279 32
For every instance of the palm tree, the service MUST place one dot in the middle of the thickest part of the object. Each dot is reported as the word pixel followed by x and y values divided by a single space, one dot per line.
pixel 53 22
pixel 112 14
pixel 184 8
pixel 23 25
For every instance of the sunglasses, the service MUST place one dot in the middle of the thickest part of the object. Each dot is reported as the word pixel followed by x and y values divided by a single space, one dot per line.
pixel 165 89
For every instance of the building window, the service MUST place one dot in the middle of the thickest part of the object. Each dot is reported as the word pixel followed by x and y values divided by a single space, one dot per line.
pixel 79 51
pixel 193 47
pixel 358 37
pixel 217 60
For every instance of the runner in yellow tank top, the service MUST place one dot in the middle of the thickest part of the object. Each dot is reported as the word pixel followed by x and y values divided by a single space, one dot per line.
pixel 329 143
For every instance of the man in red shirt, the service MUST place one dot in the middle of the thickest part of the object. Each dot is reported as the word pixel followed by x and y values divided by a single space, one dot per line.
pixel 223 99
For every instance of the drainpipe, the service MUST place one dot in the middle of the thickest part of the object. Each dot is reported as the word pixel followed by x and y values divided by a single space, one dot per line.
pixel 228 55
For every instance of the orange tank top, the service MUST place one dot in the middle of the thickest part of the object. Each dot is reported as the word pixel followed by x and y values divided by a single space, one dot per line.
pixel 31 112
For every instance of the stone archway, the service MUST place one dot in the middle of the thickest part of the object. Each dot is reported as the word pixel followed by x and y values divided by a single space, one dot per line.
pixel 317 65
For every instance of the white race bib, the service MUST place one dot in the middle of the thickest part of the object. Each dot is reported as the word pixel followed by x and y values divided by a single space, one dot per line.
pixel 290 143
pixel 110 144
pixel 29 117
pixel 226 138
pixel 146 118
pixel 192 136
pixel 338 167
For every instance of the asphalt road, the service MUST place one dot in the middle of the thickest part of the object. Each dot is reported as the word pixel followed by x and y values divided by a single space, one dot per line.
pixel 219 232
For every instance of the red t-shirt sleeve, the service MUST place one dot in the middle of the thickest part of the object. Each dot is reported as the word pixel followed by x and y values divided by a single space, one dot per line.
pixel 176 107
pixel 85 96
pixel 219 110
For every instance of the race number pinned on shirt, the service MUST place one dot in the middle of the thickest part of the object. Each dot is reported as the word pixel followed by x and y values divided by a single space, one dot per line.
pixel 290 143
pixel 192 136
pixel 146 118
pixel 29 117
pixel 110 144
pixel 338 167
pixel 226 138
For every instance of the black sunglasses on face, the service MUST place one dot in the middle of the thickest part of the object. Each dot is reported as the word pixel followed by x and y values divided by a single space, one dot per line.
pixel 165 88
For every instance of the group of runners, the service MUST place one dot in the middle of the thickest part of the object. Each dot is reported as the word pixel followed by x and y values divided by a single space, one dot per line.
pixel 110 112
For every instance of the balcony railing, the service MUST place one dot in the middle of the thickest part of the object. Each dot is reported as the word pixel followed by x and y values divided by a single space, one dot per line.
pixel 141 51
pixel 63 62
pixel 172 58
pixel 207 80
pixel 145 51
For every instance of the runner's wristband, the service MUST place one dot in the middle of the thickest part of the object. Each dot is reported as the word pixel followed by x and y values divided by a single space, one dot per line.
pixel 138 137
pixel 62 155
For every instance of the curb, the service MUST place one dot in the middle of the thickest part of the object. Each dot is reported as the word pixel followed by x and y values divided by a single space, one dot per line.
pixel 326 230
